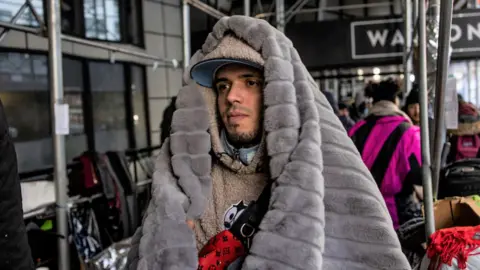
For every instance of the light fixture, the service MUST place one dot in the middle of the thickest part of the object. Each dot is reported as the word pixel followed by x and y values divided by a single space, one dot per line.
pixel 412 77
pixel 360 72
pixel 402 76
pixel 135 117
pixel 377 77
pixel 376 70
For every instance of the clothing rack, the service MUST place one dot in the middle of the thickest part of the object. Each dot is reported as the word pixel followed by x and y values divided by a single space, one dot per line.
pixel 133 154
pixel 71 202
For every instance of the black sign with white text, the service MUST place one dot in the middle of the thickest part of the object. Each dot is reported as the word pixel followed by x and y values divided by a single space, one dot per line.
pixel 384 38
pixel 343 43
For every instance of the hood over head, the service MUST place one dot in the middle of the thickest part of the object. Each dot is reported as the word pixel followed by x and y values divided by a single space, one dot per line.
pixel 325 211
pixel 230 50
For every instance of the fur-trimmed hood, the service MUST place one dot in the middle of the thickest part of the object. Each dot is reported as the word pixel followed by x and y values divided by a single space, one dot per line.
pixel 325 212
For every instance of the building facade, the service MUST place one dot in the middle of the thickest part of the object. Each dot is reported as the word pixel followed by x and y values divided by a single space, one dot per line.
pixel 116 101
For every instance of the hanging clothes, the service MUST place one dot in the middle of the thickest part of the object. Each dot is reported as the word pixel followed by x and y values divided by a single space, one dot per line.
pixel 85 231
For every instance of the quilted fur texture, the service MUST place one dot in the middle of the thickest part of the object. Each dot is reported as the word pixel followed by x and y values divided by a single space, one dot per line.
pixel 325 212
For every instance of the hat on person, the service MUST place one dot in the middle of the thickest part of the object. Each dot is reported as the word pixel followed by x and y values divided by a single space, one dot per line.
pixel 342 106
pixel 230 50
pixel 413 96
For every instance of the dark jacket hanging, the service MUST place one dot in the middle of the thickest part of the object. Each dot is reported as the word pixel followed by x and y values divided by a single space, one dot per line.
pixel 14 249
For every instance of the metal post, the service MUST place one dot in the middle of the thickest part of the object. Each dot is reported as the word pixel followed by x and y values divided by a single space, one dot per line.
pixel 21 28
pixel 292 11
pixel 56 98
pixel 446 9
pixel 407 59
pixel 326 8
pixel 415 10
pixel 206 8
pixel 246 7
pixel 186 34
pixel 35 14
pixel 426 173
pixel 321 5
pixel 280 15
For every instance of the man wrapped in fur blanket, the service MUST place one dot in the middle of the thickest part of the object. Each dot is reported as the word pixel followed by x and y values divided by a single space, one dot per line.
pixel 252 117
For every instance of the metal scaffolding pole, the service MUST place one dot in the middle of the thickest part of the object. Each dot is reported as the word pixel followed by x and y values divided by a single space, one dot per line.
pixel 280 14
pixel 292 11
pixel 407 59
pixel 13 20
pixel 246 8
pixel 56 101
pixel 35 14
pixel 446 9
pixel 115 49
pixel 186 33
pixel 425 145
pixel 207 9
pixel 415 10
pixel 329 8
pixel 20 28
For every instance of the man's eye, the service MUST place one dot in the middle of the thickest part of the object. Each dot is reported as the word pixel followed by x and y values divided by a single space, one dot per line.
pixel 253 83
pixel 222 87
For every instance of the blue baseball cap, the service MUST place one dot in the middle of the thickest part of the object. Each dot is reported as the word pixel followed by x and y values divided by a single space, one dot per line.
pixel 203 72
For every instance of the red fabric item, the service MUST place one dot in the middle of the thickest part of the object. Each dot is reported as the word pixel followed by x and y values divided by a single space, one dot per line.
pixel 220 251
pixel 90 179
pixel 456 242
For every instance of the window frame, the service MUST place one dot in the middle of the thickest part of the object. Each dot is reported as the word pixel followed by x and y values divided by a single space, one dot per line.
pixel 126 36
pixel 132 136
pixel 43 16
pixel 128 98
pixel 87 98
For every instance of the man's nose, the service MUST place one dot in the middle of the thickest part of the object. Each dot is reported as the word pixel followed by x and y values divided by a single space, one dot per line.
pixel 235 95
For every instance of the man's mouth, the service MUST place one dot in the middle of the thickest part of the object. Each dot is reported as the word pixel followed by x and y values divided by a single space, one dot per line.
pixel 236 116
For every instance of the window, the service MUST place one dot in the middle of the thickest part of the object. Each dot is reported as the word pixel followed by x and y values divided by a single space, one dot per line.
pixel 139 108
pixel 9 8
pixel 108 102
pixel 102 19
pixel 72 17
pixel 76 141
pixel 25 96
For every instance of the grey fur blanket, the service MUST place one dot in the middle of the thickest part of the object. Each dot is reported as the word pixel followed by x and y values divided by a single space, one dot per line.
pixel 325 212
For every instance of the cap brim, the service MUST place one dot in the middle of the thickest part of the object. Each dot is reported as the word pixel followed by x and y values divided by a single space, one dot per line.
pixel 204 71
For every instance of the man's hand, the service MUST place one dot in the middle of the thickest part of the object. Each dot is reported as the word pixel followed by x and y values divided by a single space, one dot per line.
pixel 190 224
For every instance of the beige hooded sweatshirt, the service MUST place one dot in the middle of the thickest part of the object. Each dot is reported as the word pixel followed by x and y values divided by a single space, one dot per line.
pixel 234 185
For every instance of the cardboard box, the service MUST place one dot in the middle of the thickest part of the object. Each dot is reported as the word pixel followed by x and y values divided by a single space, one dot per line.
pixel 456 211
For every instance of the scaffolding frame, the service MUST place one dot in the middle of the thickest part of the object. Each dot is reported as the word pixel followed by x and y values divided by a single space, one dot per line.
pixel 417 10
pixel 52 30
pixel 55 37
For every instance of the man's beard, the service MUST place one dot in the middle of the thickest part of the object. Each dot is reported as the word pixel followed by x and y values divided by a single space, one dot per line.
pixel 244 140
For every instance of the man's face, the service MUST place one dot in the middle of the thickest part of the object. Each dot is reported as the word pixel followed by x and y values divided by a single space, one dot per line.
pixel 343 112
pixel 239 101
pixel 414 112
